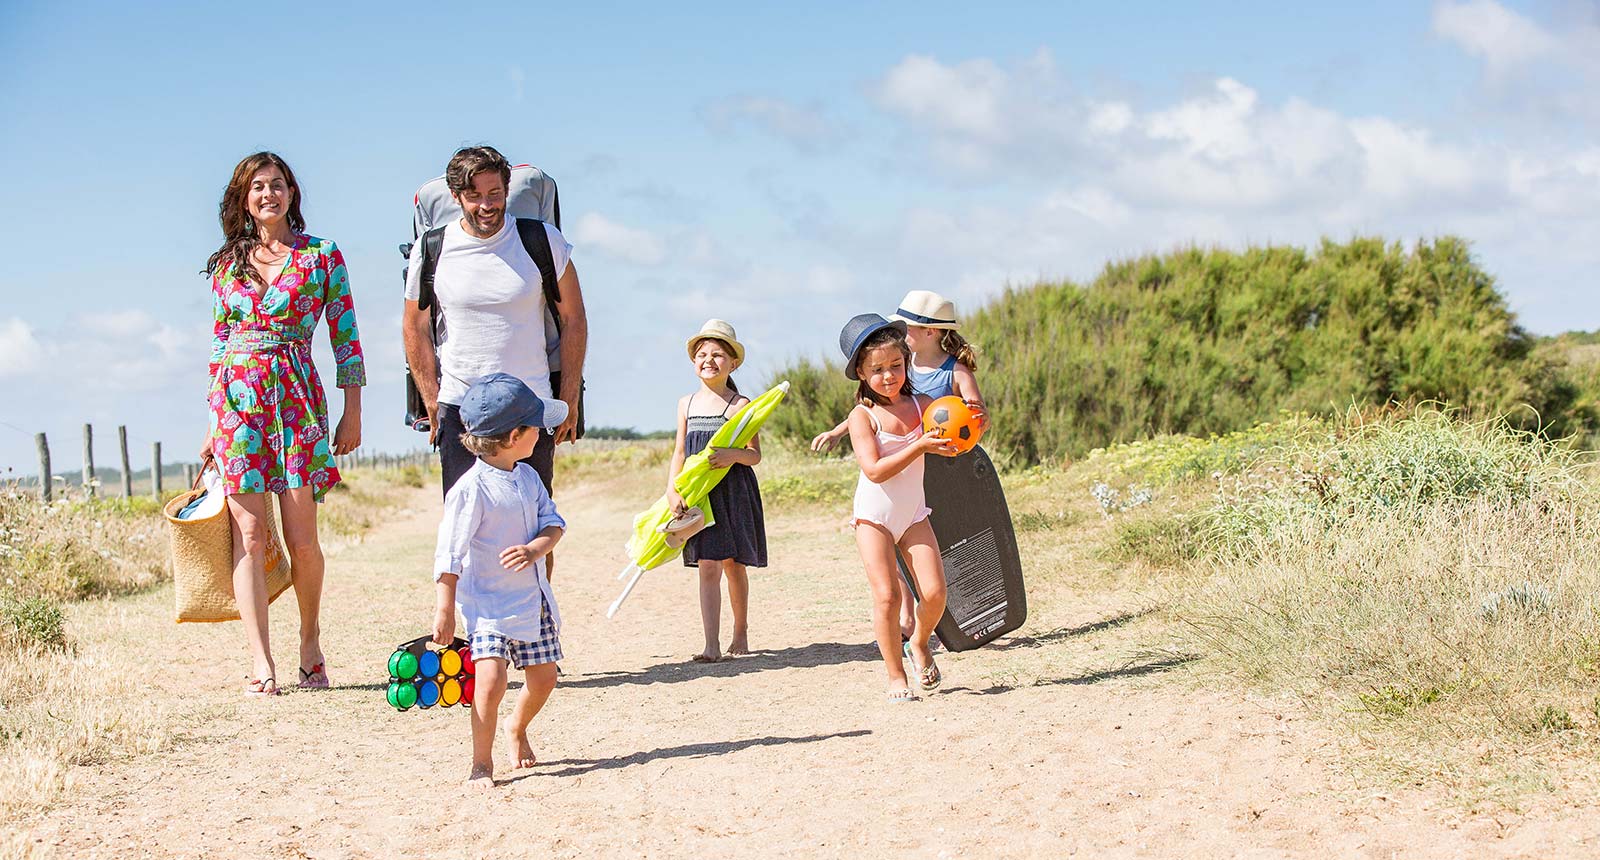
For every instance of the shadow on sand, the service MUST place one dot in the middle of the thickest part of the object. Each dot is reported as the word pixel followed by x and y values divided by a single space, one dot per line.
pixel 801 657
pixel 579 766
pixel 1135 667
pixel 1060 633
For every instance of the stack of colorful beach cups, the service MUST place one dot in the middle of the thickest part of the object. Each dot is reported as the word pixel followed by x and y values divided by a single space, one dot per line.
pixel 424 677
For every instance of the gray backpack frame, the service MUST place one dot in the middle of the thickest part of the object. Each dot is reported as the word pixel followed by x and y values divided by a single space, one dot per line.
pixel 531 198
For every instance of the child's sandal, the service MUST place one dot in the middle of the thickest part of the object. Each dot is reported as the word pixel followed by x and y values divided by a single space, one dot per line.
pixel 903 694
pixel 928 678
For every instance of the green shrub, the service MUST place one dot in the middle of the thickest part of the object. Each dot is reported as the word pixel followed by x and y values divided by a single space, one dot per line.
pixel 36 622
pixel 819 398
pixel 1401 466
pixel 1201 342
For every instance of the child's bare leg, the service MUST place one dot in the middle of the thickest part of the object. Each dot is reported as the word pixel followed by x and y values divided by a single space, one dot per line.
pixel 739 598
pixel 490 673
pixel 538 680
pixel 711 610
pixel 877 554
pixel 908 611
pixel 922 551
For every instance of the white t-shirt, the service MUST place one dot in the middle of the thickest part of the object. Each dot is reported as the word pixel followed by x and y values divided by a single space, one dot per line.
pixel 491 307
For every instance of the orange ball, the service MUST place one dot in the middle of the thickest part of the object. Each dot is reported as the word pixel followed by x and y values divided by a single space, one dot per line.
pixel 954 420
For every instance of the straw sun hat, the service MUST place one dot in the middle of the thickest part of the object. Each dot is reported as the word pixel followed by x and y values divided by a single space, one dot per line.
pixel 718 330
pixel 924 308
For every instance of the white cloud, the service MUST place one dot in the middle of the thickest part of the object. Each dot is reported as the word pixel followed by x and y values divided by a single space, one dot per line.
pixel 597 233
pixel 964 98
pixel 1544 73
pixel 1086 178
pixel 20 350
pixel 806 127
pixel 1484 28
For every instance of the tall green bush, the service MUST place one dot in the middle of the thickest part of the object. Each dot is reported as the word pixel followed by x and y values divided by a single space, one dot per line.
pixel 1210 341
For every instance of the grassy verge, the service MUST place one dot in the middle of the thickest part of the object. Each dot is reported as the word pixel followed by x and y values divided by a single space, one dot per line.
pixel 64 703
pixel 1430 583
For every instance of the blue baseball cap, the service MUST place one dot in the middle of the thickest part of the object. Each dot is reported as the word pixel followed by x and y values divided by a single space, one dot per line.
pixel 499 403
pixel 856 332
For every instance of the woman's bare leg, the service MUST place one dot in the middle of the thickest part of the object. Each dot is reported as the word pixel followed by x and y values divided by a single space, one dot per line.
pixel 306 567
pixel 247 516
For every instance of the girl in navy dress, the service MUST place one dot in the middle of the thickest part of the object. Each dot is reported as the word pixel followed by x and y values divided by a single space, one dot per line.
pixel 738 538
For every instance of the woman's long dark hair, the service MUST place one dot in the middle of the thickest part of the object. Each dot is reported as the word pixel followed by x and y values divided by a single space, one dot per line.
pixel 238 228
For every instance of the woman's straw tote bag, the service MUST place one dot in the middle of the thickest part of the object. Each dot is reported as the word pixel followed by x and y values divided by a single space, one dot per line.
pixel 202 561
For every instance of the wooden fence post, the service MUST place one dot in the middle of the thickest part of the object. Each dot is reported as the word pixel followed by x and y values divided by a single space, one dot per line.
pixel 188 474
pixel 88 460
pixel 45 478
pixel 127 476
pixel 155 470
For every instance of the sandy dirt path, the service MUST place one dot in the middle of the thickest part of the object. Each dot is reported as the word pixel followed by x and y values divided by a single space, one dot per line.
pixel 789 752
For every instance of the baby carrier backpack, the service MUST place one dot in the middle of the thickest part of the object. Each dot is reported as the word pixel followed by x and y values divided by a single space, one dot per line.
pixel 531 199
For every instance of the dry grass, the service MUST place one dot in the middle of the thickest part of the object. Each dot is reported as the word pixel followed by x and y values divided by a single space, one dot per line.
pixel 1430 584
pixel 64 704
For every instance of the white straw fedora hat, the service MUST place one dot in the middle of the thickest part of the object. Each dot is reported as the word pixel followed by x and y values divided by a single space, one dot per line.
pixel 718 330
pixel 924 308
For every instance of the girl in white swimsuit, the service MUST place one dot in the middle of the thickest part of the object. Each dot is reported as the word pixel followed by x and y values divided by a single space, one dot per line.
pixel 891 511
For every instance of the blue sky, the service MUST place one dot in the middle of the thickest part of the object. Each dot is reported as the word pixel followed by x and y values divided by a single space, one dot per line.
pixel 781 167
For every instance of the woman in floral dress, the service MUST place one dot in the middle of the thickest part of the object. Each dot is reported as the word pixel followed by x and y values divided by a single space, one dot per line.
pixel 271 282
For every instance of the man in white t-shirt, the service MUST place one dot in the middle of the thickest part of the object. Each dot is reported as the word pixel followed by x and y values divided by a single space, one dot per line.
pixel 491 307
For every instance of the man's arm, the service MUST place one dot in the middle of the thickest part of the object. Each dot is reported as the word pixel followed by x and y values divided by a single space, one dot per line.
pixel 424 362
pixel 574 345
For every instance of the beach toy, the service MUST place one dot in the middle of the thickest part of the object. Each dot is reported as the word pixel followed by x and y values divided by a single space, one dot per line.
pixel 423 677
pixel 954 420
pixel 649 547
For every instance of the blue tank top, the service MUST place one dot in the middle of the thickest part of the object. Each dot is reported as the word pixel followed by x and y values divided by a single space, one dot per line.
pixel 936 383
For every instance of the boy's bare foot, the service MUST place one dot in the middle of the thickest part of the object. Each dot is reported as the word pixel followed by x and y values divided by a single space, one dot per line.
pixel 521 750
pixel 482 776
pixel 708 657
pixel 740 644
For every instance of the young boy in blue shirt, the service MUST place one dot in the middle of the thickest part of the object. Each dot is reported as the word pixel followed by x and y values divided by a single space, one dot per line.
pixel 499 525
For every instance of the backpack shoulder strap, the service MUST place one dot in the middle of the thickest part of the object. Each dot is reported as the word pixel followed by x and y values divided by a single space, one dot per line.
pixel 432 243
pixel 537 243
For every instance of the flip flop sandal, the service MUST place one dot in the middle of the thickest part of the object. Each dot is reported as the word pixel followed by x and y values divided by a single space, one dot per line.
pixel 903 694
pixel 314 679
pixel 257 688
pixel 928 678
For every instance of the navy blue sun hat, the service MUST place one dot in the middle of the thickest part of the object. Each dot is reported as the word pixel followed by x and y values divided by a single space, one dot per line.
pixel 856 332
pixel 499 403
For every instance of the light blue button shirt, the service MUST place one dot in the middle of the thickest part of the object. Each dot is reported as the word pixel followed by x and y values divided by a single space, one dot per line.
pixel 485 512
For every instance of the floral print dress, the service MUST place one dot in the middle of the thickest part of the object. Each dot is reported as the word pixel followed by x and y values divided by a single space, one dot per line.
pixel 269 415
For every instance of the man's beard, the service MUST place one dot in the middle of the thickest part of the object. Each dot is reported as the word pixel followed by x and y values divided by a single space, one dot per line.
pixel 489 224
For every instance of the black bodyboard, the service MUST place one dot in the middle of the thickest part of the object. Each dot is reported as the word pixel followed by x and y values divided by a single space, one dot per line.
pixel 982 567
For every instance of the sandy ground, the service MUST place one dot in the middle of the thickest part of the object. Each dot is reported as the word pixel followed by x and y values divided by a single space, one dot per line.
pixel 788 752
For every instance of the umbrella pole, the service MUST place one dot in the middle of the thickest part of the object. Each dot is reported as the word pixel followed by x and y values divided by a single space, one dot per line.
pixel 638 573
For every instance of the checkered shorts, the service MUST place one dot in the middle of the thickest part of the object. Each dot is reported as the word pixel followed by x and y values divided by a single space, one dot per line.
pixel 546 649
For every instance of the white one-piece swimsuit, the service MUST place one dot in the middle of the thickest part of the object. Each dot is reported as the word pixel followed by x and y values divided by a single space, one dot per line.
pixel 898 503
